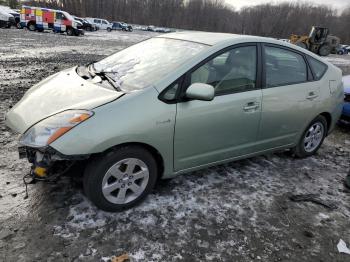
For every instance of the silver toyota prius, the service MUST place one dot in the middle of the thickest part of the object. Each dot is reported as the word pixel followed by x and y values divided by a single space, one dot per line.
pixel 173 104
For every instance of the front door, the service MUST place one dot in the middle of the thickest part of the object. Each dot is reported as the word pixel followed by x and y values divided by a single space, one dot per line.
pixel 210 131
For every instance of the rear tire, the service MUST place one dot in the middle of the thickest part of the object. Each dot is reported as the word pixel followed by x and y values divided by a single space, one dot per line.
pixel 312 138
pixel 121 178
pixel 31 27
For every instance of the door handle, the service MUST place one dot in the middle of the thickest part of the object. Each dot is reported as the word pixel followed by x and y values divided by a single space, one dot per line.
pixel 311 96
pixel 251 106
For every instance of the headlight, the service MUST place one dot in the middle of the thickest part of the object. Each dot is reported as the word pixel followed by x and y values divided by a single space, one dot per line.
pixel 53 127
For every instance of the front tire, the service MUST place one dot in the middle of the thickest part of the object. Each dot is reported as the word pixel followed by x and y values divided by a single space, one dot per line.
pixel 121 178
pixel 312 138
pixel 324 50
pixel 109 29
pixel 70 31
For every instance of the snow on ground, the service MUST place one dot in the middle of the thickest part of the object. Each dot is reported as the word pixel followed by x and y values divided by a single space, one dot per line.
pixel 339 60
pixel 342 61
pixel 240 211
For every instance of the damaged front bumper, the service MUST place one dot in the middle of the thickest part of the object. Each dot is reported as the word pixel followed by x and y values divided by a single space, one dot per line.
pixel 47 162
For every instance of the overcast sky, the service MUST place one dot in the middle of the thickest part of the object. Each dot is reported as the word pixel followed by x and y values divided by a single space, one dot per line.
pixel 335 3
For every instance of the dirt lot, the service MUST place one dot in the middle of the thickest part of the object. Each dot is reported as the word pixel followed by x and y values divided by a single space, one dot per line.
pixel 236 212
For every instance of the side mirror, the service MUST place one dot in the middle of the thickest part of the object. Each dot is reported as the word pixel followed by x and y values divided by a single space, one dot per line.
pixel 200 91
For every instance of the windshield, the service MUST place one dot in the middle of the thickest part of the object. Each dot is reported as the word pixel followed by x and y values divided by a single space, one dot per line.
pixel 145 63
pixel 68 16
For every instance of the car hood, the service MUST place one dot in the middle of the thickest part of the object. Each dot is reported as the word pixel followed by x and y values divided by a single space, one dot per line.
pixel 62 91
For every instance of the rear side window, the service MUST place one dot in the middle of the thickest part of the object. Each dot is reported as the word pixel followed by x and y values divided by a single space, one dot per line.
pixel 318 68
pixel 284 67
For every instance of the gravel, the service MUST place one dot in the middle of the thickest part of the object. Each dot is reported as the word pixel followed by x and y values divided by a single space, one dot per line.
pixel 241 211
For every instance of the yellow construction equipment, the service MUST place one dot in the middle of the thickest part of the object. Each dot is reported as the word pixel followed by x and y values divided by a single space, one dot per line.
pixel 319 41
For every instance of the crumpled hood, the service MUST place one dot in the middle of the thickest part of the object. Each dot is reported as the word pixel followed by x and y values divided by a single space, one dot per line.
pixel 62 91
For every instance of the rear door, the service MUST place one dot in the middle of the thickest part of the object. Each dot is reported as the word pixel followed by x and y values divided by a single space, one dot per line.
pixel 211 131
pixel 290 97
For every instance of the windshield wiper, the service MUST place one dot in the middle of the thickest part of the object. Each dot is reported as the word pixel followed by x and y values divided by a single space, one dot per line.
pixel 110 80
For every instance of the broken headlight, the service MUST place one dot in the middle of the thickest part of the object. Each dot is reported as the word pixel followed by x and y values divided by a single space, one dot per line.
pixel 53 127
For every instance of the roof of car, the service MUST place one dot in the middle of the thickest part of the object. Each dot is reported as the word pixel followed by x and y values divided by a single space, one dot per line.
pixel 206 37
pixel 213 39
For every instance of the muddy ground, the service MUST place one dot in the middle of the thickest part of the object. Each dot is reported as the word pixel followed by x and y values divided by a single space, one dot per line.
pixel 235 212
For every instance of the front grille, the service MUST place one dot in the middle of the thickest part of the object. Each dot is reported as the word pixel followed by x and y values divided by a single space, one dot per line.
pixel 347 98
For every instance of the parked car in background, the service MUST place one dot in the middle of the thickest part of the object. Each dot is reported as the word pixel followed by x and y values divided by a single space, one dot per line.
pixel 15 13
pixel 346 108
pixel 211 98
pixel 162 30
pixel 36 18
pixel 121 26
pixel 6 18
pixel 151 28
pixel 342 49
pixel 17 17
pixel 102 24
pixel 87 26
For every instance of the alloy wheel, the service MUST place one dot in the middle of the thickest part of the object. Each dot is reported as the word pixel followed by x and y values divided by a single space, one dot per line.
pixel 313 137
pixel 125 181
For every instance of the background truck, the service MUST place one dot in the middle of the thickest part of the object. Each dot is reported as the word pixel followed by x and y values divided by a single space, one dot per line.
pixel 6 18
pixel 100 23
pixel 36 18
pixel 319 41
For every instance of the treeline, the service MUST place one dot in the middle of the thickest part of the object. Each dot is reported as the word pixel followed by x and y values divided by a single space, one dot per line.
pixel 275 20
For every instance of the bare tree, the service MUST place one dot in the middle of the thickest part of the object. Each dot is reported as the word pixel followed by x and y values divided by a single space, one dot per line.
pixel 273 20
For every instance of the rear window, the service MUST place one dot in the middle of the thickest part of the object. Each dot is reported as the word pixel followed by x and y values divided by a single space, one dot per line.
pixel 318 68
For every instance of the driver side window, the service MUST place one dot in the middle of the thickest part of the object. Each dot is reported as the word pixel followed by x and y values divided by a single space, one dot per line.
pixel 59 16
pixel 230 72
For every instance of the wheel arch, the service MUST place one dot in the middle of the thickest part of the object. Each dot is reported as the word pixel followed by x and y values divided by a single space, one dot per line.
pixel 154 152
pixel 31 23
pixel 328 118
